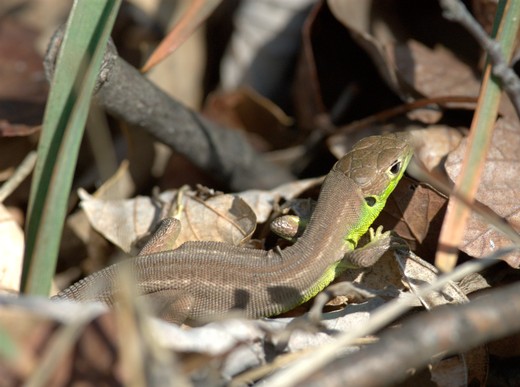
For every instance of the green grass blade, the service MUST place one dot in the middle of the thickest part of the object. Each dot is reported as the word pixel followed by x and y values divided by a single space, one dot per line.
pixel 88 29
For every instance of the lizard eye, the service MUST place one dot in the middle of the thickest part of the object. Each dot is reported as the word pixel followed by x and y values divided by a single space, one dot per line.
pixel 395 167
pixel 370 201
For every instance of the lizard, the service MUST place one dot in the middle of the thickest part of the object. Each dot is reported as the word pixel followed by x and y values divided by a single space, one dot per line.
pixel 203 279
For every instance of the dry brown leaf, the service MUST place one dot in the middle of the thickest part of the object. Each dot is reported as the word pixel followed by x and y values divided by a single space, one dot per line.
pixel 417 272
pixel 262 202
pixel 23 88
pixel 119 186
pixel 432 145
pixel 335 80
pixel 228 218
pixel 432 72
pixel 508 347
pixel 245 108
pixel 21 75
pixel 499 190
pixel 410 203
pixel 371 35
pixel 224 218
pixel 388 35
pixel 415 212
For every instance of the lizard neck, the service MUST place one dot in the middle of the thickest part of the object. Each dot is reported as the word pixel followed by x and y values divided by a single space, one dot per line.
pixel 310 264
pixel 335 223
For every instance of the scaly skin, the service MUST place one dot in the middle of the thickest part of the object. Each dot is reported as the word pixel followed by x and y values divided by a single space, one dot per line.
pixel 200 280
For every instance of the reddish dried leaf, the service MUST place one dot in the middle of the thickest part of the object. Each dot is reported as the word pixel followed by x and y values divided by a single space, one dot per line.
pixel 308 102
pixel 197 12
pixel 15 130
pixel 484 11
pixel 415 211
pixel 508 347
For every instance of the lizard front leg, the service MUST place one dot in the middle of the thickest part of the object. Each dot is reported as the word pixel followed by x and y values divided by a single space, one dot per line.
pixel 164 237
pixel 380 243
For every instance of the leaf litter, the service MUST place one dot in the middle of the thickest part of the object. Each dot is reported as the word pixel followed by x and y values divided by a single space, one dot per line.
pixel 356 59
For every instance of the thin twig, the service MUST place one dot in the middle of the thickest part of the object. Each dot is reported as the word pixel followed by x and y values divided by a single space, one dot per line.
pixel 300 371
pixel 19 175
pixel 225 153
pixel 451 329
pixel 455 10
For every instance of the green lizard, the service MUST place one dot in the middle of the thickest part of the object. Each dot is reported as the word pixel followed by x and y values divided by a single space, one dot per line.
pixel 200 280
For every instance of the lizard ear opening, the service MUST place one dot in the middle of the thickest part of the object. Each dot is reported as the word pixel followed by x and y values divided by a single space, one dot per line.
pixel 370 201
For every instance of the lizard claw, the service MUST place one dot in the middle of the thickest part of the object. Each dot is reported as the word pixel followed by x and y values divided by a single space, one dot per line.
pixel 393 240
pixel 378 234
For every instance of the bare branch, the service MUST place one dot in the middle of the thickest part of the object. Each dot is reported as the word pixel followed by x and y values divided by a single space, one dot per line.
pixel 455 10
pixel 125 93
pixel 451 329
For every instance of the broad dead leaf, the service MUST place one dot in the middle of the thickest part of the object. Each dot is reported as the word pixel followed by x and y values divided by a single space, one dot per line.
pixel 417 272
pixel 262 201
pixel 244 108
pixel 499 190
pixel 432 145
pixel 399 48
pixel 413 207
pixel 228 218
pixel 433 71
pixel 224 218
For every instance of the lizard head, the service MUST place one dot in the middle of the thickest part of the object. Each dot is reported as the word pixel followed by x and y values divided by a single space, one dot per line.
pixel 376 164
